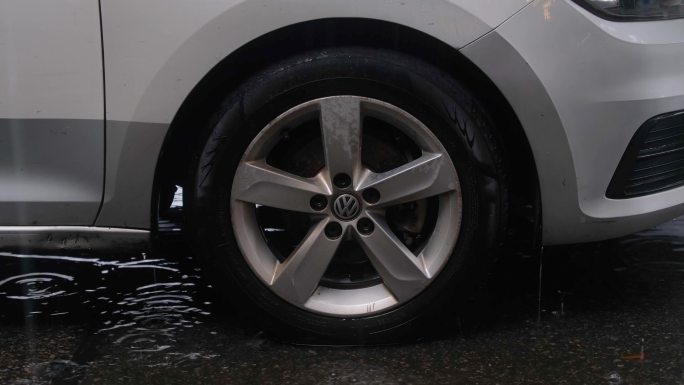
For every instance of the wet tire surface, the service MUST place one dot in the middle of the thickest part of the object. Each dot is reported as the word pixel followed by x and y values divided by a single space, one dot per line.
pixel 607 313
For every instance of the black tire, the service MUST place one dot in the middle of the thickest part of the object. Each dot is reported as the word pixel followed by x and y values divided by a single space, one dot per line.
pixel 433 96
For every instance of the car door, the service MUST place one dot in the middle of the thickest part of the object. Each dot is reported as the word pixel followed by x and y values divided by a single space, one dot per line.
pixel 51 112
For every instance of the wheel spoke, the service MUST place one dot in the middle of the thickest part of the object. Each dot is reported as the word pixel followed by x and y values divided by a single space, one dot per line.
pixel 259 183
pixel 296 279
pixel 427 176
pixel 396 273
pixel 341 129
pixel 403 273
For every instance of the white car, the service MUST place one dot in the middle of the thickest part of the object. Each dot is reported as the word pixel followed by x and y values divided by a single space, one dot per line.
pixel 348 168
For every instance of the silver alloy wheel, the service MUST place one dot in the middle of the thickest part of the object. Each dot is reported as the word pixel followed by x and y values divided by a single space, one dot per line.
pixel 404 273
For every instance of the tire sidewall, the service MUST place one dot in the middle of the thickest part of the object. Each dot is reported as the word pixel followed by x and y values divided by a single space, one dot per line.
pixel 427 93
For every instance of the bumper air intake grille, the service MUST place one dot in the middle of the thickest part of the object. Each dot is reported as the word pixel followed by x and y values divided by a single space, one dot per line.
pixel 654 160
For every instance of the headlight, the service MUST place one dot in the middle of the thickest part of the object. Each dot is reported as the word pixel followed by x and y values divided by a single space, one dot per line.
pixel 627 10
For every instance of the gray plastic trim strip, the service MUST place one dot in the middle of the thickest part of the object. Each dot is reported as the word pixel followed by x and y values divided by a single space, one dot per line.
pixel 72 238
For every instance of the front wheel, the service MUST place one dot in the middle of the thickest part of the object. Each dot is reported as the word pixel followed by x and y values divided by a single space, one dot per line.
pixel 346 195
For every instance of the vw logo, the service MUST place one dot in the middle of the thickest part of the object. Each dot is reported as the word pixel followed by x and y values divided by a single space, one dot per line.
pixel 346 206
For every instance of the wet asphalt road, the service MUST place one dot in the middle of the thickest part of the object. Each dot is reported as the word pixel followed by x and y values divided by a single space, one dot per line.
pixel 611 313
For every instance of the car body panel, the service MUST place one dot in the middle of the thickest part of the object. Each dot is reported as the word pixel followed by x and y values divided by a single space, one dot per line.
pixel 575 78
pixel 132 152
pixel 51 110
pixel 152 67
pixel 580 86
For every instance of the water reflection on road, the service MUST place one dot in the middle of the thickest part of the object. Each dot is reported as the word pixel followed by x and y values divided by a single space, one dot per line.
pixel 611 312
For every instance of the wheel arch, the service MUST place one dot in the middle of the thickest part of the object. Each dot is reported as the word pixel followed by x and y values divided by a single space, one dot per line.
pixel 332 32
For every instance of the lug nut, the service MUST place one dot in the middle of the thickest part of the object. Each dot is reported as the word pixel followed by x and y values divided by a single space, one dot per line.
pixel 365 226
pixel 371 195
pixel 318 202
pixel 342 180
pixel 333 230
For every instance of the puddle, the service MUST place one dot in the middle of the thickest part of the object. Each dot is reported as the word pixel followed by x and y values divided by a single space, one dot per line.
pixel 611 313
pixel 37 286
pixel 134 303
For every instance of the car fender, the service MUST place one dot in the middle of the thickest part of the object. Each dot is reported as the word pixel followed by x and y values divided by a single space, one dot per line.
pixel 157 51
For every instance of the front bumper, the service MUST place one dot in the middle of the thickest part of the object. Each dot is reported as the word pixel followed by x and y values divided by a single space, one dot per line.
pixel 581 87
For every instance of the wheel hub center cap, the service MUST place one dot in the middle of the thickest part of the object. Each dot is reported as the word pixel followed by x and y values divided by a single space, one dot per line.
pixel 346 207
